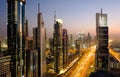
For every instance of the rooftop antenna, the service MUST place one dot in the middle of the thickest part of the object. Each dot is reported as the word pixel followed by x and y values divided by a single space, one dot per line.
pixel 54 16
pixel 101 11
pixel 38 7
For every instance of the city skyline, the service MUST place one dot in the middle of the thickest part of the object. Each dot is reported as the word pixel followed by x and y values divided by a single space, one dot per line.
pixel 59 38
pixel 77 16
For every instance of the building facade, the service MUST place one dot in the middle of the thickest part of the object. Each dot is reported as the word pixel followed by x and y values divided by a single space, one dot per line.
pixel 41 40
pixel 65 47
pixel 102 51
pixel 16 36
pixel 35 32
pixel 5 66
pixel 58 54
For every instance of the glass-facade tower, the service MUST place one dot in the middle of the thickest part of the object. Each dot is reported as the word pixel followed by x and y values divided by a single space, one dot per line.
pixel 16 36
pixel 102 51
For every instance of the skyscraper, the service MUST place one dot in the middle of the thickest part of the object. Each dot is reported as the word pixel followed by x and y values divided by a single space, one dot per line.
pixel 35 32
pixel 26 28
pixel 41 46
pixel 88 40
pixel 57 36
pixel 65 47
pixel 16 36
pixel 102 52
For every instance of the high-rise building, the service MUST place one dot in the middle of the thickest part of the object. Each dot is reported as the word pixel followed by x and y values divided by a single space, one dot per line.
pixel 41 46
pixel 65 47
pixel 81 38
pixel 35 32
pixel 16 36
pixel 51 43
pixel 102 51
pixel 26 28
pixel 5 65
pixel 88 40
pixel 78 46
pixel 57 36
pixel 29 43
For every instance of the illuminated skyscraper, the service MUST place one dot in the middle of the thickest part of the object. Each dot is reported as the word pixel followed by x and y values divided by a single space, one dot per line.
pixel 65 47
pixel 16 36
pixel 58 54
pixel 102 52
pixel 41 46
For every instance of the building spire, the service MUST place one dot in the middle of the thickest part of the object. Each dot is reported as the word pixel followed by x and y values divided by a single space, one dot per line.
pixel 38 7
pixel 101 11
pixel 54 16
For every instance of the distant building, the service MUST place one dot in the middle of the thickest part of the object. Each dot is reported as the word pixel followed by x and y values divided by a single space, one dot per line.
pixel 78 46
pixel 65 47
pixel 57 36
pixel 29 43
pixel 51 43
pixel 102 51
pixel 16 36
pixel 26 28
pixel 81 38
pixel 4 45
pixel 41 41
pixel 5 66
pixel 35 39
pixel 88 40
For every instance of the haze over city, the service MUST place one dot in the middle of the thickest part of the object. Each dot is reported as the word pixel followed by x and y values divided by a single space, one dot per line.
pixel 77 16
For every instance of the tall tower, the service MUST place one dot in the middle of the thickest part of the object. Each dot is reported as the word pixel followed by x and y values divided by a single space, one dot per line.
pixel 35 32
pixel 102 51
pixel 41 46
pixel 65 47
pixel 26 28
pixel 16 36
pixel 57 36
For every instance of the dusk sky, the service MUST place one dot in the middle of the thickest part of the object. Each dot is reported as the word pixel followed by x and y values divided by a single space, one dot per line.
pixel 77 15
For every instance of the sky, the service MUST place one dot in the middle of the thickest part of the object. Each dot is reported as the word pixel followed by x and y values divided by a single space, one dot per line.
pixel 77 15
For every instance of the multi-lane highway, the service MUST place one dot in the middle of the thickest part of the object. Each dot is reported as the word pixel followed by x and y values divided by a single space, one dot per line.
pixel 84 64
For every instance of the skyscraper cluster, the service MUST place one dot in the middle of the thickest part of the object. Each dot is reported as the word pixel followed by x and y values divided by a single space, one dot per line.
pixel 27 53
pixel 64 49
pixel 16 36
pixel 36 56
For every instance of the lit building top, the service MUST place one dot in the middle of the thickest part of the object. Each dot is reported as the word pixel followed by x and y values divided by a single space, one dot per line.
pixel 59 21
pixel 101 19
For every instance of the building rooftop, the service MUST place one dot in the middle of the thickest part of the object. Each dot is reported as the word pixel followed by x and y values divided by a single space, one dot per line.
pixel 101 74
